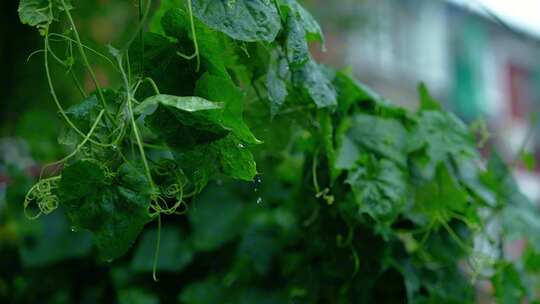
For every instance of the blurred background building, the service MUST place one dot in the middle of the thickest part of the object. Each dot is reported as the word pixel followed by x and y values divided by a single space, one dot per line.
pixel 477 60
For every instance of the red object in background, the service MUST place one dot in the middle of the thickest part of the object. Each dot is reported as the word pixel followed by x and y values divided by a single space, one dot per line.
pixel 4 179
pixel 517 83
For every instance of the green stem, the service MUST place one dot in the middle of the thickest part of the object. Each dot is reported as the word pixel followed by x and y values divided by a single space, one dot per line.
pixel 142 21
pixel 91 50
pixel 79 146
pixel 78 84
pixel 156 253
pixel 194 33
pixel 141 35
pixel 53 92
pixel 134 124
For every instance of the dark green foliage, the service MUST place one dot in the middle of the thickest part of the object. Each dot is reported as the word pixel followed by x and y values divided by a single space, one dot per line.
pixel 114 210
pixel 300 184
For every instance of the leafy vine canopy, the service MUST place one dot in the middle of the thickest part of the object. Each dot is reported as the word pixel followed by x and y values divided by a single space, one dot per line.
pixel 228 90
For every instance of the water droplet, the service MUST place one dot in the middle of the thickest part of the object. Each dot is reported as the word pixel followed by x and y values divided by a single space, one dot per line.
pixel 74 228
pixel 241 146
pixel 259 200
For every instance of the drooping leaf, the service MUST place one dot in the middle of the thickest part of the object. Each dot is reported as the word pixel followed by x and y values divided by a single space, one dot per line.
pixel 245 20
pixel 318 86
pixel 183 122
pixel 223 90
pixel 350 91
pixel 310 25
pixel 296 43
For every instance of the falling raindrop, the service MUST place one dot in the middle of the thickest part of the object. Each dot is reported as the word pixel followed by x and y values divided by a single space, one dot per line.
pixel 259 200
pixel 256 183
pixel 74 228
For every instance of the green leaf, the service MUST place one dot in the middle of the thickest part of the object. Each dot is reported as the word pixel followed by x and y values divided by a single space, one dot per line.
pixel 439 136
pixel 350 91
pixel 187 104
pixel 175 21
pixel 175 251
pixel 529 160
pixel 183 122
pixel 175 75
pixel 224 90
pixel 426 101
pixel 386 137
pixel 137 296
pixel 508 286
pixel 347 154
pixel 245 20
pixel 40 13
pixel 296 43
pixel 276 82
pixel 380 189
pixel 213 47
pixel 306 20
pixel 236 160
pixel 115 212
pixel 441 195
pixel 216 218
pixel 520 217
pixel 209 291
pixel 200 163
pixel 318 86
pixel 84 114
pixel 53 241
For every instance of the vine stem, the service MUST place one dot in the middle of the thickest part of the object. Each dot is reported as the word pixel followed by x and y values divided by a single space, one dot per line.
pixel 194 33
pixel 141 36
pixel 156 253
pixel 79 146
pixel 52 91
pixel 142 21
pixel 87 63
pixel 134 124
